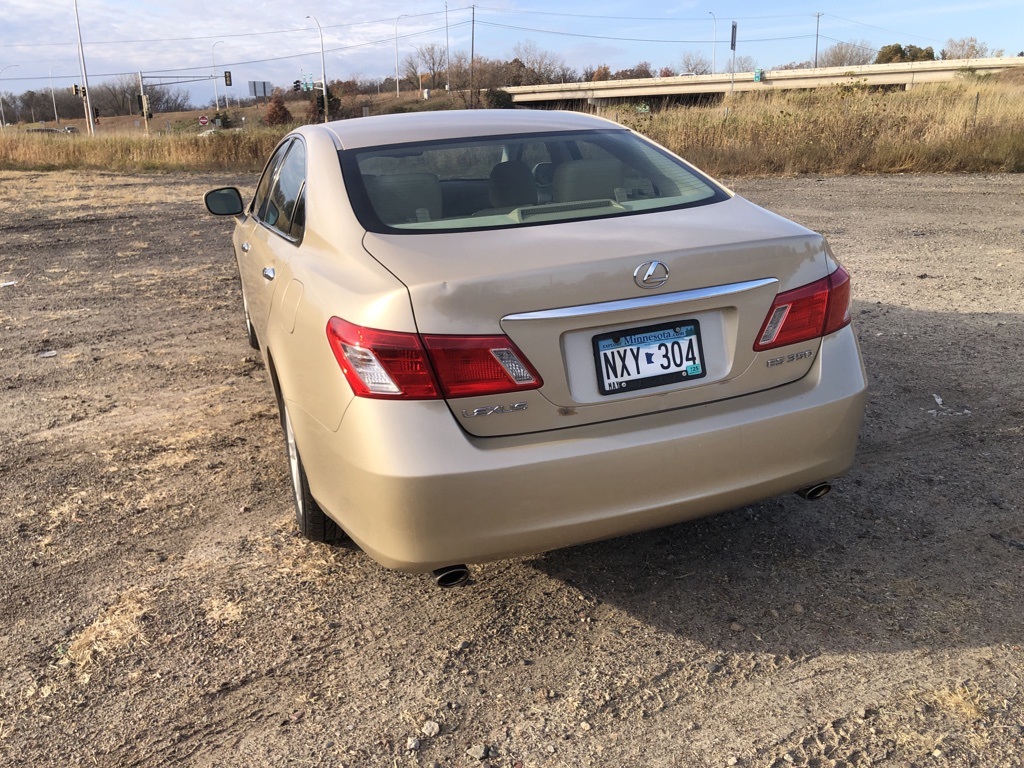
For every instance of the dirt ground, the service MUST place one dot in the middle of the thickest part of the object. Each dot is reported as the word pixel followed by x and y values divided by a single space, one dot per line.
pixel 158 607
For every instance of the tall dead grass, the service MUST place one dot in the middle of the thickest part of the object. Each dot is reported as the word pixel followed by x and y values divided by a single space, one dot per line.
pixel 226 150
pixel 964 126
pixel 969 125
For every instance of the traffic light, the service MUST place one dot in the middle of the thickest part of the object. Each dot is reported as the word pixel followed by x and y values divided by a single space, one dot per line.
pixel 76 90
pixel 227 78
pixel 297 85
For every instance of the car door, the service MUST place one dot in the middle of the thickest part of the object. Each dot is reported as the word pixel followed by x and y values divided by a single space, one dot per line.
pixel 260 239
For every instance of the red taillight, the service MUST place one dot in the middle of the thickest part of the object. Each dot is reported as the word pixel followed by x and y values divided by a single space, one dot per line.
pixel 407 366
pixel 808 312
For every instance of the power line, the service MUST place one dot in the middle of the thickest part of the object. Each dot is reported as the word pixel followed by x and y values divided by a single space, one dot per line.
pixel 635 39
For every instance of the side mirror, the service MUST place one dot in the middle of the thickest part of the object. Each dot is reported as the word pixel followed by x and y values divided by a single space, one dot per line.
pixel 226 201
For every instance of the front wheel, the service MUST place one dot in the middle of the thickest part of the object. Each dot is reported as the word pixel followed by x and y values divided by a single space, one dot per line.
pixel 313 523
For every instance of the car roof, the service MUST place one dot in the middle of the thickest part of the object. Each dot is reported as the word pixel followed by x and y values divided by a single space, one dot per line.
pixel 428 126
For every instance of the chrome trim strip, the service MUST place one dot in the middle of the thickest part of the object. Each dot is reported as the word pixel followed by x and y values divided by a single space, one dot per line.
pixel 644 302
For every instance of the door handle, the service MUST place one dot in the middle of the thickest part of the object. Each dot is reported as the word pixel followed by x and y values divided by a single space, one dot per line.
pixel 268 273
pixel 246 247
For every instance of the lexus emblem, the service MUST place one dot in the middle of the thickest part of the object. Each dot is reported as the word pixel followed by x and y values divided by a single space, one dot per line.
pixel 651 274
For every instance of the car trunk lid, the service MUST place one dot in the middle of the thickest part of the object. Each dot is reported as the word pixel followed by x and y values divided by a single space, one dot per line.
pixel 571 297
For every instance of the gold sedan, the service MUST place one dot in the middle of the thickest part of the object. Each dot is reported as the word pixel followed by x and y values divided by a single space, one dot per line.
pixel 493 333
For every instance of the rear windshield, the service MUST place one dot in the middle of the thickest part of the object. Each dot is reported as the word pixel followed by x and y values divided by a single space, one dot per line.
pixel 511 181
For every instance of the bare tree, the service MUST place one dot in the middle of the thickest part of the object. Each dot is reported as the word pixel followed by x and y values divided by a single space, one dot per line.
pixel 968 48
pixel 695 62
pixel 849 54
pixel 115 97
pixel 411 70
pixel 540 66
pixel 742 64
pixel 431 59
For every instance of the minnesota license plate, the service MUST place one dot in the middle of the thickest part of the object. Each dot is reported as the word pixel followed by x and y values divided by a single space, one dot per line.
pixel 652 356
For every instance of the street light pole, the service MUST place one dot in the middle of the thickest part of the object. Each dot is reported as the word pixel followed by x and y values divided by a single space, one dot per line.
pixel 397 94
pixel 323 66
pixel 213 59
pixel 714 45
pixel 447 53
pixel 3 119
pixel 817 26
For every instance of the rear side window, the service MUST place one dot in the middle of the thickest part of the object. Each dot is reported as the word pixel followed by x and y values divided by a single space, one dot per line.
pixel 280 196
pixel 511 181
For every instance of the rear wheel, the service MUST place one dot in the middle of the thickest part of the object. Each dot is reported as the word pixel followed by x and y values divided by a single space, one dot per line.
pixel 313 523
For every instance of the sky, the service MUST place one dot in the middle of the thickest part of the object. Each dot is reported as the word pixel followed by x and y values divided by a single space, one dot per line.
pixel 186 40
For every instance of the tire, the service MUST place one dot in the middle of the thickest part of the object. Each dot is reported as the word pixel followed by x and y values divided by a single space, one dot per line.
pixel 312 522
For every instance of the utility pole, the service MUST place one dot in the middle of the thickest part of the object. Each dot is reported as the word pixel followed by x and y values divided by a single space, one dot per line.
pixel 3 118
pixel 714 45
pixel 447 53
pixel 90 118
pixel 53 98
pixel 817 27
pixel 397 81
pixel 472 59
pixel 143 104
pixel 213 60
pixel 323 66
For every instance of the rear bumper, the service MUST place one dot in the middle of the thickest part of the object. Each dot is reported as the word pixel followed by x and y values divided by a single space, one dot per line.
pixel 416 493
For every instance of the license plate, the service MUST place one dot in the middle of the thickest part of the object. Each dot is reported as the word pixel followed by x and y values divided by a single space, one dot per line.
pixel 652 356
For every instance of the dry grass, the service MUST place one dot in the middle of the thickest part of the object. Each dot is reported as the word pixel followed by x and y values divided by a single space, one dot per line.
pixel 114 629
pixel 966 126
pixel 226 150
pixel 970 125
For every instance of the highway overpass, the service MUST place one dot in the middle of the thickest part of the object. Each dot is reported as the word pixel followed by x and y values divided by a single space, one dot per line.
pixel 905 75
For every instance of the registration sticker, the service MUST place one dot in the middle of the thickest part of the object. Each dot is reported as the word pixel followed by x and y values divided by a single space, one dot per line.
pixel 651 356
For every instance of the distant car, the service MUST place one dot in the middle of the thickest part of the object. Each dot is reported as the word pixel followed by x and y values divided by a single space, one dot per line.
pixel 70 129
pixel 493 333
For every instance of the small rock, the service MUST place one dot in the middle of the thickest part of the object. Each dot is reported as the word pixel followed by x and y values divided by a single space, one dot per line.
pixel 733 761
pixel 797 608
pixel 789 758
pixel 712 667
pixel 464 645
pixel 736 627
pixel 48 353
pixel 431 729
pixel 478 751
pixel 936 753
pixel 585 726
pixel 412 744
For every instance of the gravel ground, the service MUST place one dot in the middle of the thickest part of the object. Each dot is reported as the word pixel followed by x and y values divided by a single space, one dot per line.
pixel 159 608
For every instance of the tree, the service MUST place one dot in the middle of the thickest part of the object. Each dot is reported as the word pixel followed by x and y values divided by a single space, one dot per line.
pixel 797 65
pixel 277 112
pixel 601 72
pixel 431 59
pixel 895 53
pixel 695 62
pixel 742 64
pixel 850 54
pixel 638 72
pixel 968 48
pixel 539 66
pixel 496 98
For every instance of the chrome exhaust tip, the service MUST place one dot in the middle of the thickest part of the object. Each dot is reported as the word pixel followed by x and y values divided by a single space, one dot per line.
pixel 813 492
pixel 451 575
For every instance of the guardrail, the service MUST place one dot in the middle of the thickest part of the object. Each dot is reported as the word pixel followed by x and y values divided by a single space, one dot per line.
pixel 907 74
